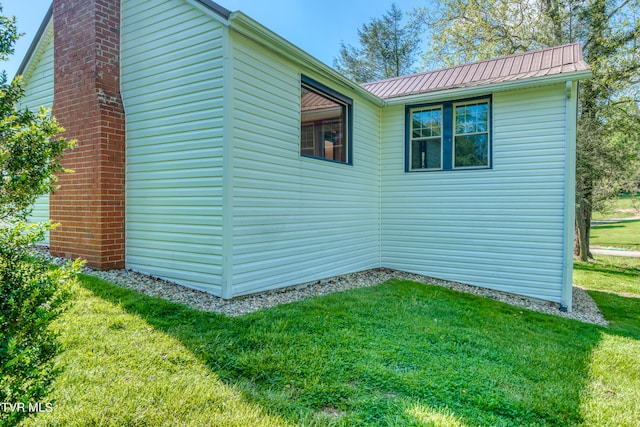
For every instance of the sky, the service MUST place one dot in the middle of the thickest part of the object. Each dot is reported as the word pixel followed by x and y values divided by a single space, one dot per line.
pixel 314 26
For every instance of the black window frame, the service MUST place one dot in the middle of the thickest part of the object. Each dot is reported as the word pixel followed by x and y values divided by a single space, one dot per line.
pixel 347 117
pixel 448 132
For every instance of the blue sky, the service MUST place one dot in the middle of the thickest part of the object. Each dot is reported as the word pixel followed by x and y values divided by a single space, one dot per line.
pixel 316 27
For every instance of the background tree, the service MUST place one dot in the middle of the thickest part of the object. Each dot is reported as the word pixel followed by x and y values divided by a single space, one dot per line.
pixel 31 293
pixel 608 134
pixel 388 48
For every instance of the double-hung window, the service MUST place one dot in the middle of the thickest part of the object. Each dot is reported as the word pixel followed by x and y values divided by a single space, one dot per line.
pixel 449 136
pixel 471 134
pixel 426 138
pixel 325 122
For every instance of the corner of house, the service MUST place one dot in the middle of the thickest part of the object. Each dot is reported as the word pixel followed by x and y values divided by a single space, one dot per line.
pixel 227 168
pixel 571 112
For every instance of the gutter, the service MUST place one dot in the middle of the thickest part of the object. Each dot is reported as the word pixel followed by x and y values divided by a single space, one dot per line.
pixel 215 7
pixel 248 27
pixel 208 4
pixel 470 91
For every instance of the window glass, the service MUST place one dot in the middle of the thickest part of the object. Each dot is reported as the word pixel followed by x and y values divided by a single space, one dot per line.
pixel 324 125
pixel 471 140
pixel 448 135
pixel 426 139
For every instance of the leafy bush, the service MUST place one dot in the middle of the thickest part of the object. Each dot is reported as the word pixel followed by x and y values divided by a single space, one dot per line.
pixel 30 152
pixel 32 294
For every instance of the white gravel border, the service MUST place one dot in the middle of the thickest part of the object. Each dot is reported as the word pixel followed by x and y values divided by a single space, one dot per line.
pixel 584 308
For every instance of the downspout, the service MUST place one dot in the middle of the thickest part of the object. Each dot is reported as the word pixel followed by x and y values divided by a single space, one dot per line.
pixel 380 127
pixel 571 114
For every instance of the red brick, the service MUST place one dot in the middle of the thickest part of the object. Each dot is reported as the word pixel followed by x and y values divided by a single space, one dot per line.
pixel 90 202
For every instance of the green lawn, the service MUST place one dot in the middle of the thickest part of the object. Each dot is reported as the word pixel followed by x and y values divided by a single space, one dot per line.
pixel 609 274
pixel 624 234
pixel 400 354
pixel 625 206
pixel 614 389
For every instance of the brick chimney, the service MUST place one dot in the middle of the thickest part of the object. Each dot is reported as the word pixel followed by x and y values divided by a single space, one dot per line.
pixel 90 203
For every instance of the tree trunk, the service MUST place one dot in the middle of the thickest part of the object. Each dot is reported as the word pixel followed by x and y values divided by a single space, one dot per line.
pixel 583 230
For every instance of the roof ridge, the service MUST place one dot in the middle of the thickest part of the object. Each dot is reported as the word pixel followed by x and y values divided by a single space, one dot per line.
pixel 501 58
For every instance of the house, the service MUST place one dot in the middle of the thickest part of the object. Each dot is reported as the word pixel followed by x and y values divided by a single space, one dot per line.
pixel 213 153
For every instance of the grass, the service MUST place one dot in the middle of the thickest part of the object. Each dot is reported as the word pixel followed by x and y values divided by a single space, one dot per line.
pixel 620 275
pixel 399 353
pixel 118 370
pixel 625 206
pixel 613 394
pixel 620 235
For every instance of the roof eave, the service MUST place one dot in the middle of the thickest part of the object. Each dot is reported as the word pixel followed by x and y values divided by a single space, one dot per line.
pixel 215 7
pixel 248 27
pixel 36 41
pixel 471 91
pixel 208 4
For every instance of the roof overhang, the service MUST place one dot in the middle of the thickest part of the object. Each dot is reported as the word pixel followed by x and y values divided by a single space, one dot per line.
pixel 206 4
pixel 36 41
pixel 250 28
pixel 483 89
pixel 215 7
pixel 255 31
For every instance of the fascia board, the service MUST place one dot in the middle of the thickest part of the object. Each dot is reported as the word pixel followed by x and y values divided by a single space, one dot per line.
pixel 216 8
pixel 468 92
pixel 33 48
pixel 248 27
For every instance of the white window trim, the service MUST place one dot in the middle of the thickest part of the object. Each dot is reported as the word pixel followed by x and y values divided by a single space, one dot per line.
pixel 411 139
pixel 454 134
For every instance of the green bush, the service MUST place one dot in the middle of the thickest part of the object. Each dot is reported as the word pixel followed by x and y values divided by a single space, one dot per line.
pixel 32 294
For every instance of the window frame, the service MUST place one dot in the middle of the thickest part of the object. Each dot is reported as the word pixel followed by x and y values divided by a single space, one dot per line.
pixel 454 134
pixel 412 138
pixel 347 117
pixel 448 133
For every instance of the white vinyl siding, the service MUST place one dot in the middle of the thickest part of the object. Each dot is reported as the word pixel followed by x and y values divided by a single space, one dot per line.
pixel 172 89
pixel 500 228
pixel 296 219
pixel 38 84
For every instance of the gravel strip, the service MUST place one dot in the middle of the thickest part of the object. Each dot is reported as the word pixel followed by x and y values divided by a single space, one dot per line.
pixel 584 308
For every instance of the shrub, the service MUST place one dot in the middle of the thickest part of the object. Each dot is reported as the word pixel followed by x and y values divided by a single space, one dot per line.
pixel 32 294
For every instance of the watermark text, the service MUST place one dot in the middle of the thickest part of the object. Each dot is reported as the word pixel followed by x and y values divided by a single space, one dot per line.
pixel 26 407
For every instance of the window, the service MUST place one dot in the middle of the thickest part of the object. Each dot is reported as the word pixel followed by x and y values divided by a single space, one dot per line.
pixel 450 135
pixel 325 123
pixel 426 139
pixel 471 135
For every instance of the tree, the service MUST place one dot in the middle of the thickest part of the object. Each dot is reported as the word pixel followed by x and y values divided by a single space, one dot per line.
pixel 608 131
pixel 32 293
pixel 388 48
pixel 608 140
pixel 463 31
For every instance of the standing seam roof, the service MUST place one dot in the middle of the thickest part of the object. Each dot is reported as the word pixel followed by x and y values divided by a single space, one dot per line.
pixel 552 61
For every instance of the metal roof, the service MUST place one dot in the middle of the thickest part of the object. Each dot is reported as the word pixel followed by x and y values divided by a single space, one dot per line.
pixel 541 63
